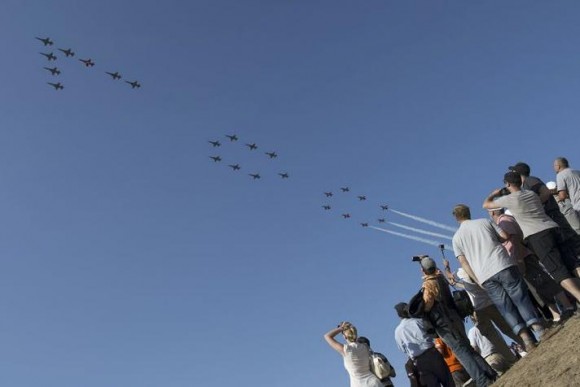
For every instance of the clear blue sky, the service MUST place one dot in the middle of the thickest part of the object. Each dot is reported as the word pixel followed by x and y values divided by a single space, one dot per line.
pixel 129 258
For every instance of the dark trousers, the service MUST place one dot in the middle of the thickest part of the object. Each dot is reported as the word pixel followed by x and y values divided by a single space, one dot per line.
pixel 449 326
pixel 433 372
pixel 544 245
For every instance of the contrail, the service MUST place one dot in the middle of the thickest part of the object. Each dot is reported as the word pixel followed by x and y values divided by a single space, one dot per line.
pixel 426 221
pixel 420 231
pixel 413 237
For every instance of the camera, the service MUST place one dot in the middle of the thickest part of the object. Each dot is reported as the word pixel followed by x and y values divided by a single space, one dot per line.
pixel 504 191
pixel 417 258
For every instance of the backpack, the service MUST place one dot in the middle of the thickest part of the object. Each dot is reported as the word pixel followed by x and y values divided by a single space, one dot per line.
pixel 381 367
pixel 463 303
pixel 417 305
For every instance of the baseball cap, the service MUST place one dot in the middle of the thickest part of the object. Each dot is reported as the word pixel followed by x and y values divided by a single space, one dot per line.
pixel 428 264
pixel 521 168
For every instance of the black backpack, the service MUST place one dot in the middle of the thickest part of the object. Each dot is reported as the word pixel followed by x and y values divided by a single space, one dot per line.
pixel 416 305
pixel 463 304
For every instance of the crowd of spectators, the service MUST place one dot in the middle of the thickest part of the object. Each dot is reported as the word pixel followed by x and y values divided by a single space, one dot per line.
pixel 520 268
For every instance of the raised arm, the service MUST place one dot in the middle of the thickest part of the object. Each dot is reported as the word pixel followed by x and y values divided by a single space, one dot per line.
pixel 330 339
pixel 488 203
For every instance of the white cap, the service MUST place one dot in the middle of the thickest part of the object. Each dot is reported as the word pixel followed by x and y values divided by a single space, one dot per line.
pixel 508 212
pixel 551 185
pixel 462 274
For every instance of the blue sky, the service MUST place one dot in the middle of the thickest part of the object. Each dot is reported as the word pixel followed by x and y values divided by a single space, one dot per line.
pixel 131 259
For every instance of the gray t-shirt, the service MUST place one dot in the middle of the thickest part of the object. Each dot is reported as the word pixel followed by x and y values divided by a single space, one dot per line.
pixel 478 241
pixel 527 208
pixel 569 180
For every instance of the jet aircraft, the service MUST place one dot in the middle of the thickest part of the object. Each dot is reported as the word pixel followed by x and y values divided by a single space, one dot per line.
pixel 284 175
pixel 56 86
pixel 215 158
pixel 68 52
pixel 252 146
pixel 50 56
pixel 88 62
pixel 381 220
pixel 272 155
pixel 384 207
pixel 53 71
pixel 255 175
pixel 364 224
pixel 215 143
pixel 46 41
pixel 326 207
pixel 134 84
pixel 361 197
pixel 346 216
pixel 235 167
pixel 115 75
pixel 345 189
pixel 328 194
pixel 232 137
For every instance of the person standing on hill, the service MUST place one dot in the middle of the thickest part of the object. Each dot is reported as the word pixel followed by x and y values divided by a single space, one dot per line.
pixel 478 248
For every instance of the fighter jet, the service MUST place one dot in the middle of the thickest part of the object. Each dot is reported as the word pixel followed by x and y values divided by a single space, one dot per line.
pixel 284 175
pixel 326 207
pixel 115 75
pixel 381 220
pixel 87 62
pixel 272 155
pixel 364 224
pixel 50 56
pixel 56 86
pixel 134 84
pixel 232 137
pixel 361 197
pixel 345 189
pixel 384 207
pixel 215 143
pixel 68 52
pixel 328 194
pixel 346 216
pixel 255 175
pixel 215 158
pixel 235 167
pixel 46 41
pixel 252 146
pixel 53 71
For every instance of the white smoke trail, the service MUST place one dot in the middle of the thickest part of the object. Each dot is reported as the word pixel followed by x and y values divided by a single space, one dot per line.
pixel 413 237
pixel 426 221
pixel 421 231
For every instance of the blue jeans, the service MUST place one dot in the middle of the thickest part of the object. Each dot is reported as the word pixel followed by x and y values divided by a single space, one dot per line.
pixel 509 293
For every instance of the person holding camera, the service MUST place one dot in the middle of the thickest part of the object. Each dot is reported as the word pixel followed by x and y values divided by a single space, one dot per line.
pixel 441 312
pixel 539 230
pixel 356 356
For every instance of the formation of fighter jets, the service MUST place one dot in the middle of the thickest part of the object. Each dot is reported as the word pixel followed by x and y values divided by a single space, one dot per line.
pixel 216 143
pixel 348 215
pixel 69 53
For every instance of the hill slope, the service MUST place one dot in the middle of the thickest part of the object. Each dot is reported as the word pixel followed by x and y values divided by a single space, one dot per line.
pixel 555 363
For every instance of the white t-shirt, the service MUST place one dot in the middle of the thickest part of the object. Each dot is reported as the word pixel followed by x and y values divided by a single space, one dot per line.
pixel 357 363
pixel 527 208
pixel 480 342
pixel 478 241
pixel 569 180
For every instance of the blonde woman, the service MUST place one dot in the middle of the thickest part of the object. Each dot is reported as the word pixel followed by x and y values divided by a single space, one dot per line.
pixel 356 356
